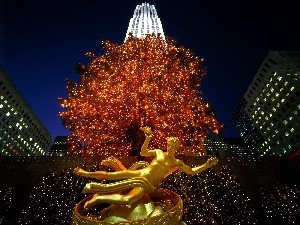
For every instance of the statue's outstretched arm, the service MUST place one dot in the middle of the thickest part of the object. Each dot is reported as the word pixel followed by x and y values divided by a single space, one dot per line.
pixel 104 175
pixel 144 150
pixel 198 169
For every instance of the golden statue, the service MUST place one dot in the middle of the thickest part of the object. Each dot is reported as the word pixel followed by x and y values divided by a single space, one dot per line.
pixel 133 184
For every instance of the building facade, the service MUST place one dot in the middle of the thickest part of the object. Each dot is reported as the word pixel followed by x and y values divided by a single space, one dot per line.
pixel 272 103
pixel 236 147
pixel 144 21
pixel 246 128
pixel 216 145
pixel 59 146
pixel 21 132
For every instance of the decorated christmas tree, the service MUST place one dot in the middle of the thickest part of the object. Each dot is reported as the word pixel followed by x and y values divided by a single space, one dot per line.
pixel 142 82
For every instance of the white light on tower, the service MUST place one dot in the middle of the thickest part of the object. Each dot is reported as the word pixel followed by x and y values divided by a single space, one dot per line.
pixel 144 21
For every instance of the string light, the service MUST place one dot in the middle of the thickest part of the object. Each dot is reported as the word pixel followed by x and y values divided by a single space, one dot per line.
pixel 207 199
pixel 142 82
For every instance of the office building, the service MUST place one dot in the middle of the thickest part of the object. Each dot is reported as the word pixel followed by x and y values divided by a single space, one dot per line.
pixel 21 132
pixel 215 145
pixel 236 147
pixel 246 128
pixel 59 147
pixel 272 103
pixel 144 21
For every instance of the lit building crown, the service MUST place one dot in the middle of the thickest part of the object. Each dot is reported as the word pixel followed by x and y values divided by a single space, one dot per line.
pixel 144 21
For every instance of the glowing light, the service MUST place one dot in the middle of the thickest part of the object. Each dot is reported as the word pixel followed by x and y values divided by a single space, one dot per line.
pixel 142 82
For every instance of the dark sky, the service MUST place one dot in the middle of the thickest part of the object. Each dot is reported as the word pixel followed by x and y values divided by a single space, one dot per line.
pixel 41 41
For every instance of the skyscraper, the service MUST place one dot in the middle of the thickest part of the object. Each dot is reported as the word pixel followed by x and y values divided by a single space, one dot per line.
pixel 272 103
pixel 21 132
pixel 144 21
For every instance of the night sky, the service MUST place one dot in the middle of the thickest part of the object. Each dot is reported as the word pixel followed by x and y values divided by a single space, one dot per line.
pixel 41 41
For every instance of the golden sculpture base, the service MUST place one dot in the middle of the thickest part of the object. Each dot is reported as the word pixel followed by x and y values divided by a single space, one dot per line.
pixel 170 217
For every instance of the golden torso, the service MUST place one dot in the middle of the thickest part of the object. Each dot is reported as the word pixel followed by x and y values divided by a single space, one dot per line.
pixel 160 168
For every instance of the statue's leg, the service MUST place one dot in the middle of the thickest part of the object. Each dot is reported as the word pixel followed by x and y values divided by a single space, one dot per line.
pixel 118 199
pixel 104 175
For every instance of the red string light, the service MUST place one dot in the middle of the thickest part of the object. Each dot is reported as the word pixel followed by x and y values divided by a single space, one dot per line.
pixel 142 82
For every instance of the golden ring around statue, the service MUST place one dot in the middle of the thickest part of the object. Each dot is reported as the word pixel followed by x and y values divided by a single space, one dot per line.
pixel 172 216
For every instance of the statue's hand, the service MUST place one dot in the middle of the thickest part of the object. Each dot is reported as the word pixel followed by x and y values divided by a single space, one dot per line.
pixel 212 161
pixel 79 171
pixel 147 131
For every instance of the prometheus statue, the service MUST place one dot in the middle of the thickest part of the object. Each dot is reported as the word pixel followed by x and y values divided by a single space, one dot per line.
pixel 140 181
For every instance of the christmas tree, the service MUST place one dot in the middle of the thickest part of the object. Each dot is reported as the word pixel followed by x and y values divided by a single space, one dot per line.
pixel 141 82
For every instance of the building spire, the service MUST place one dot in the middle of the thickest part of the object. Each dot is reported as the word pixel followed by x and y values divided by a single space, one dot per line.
pixel 144 21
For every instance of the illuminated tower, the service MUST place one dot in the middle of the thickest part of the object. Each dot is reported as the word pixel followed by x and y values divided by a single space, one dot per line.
pixel 144 21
